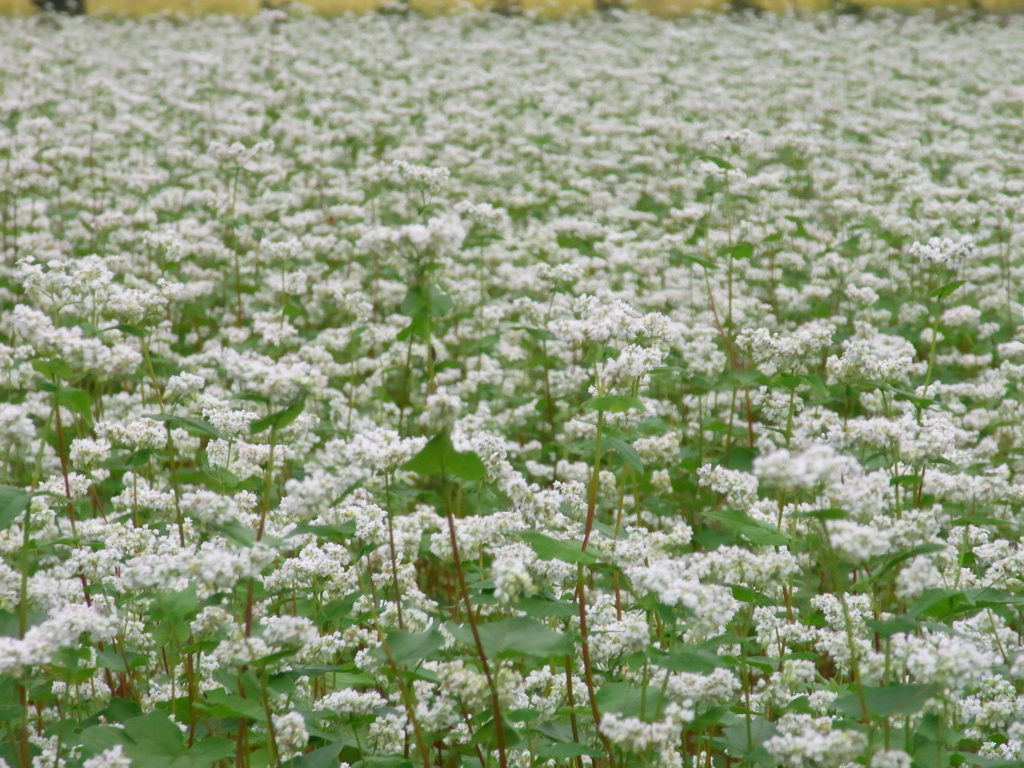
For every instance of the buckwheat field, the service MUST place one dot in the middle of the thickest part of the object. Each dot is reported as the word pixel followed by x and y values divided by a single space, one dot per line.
pixel 480 392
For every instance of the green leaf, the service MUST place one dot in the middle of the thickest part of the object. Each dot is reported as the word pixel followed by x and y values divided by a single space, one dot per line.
pixel 906 480
pixel 279 419
pixel 893 626
pixel 629 699
pixel 340 533
pixel 154 734
pixel 725 165
pixel 888 700
pixel 548 548
pixel 816 383
pixel 120 710
pixel 325 757
pixel 53 369
pixel 614 403
pixel 751 750
pixel 677 258
pixel 13 502
pixel 518 636
pixel 626 451
pixel 743 250
pixel 195 427
pixel 830 513
pixel 540 334
pixel 410 648
pixel 426 300
pixel 109 659
pixel 940 603
pixel 219 703
pixel 945 290
pixel 698 661
pixel 752 596
pixel 439 457
pixel 77 400
pixel 758 533
pixel 210 750
pixel 892 562
pixel 540 608
pixel 566 750
pixel 100 738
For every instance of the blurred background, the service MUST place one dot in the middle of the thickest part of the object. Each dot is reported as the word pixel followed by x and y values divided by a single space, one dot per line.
pixel 541 8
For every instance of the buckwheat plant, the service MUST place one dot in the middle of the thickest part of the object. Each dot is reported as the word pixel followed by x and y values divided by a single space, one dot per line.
pixel 477 391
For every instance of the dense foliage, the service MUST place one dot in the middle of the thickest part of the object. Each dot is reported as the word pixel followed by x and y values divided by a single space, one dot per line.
pixel 469 392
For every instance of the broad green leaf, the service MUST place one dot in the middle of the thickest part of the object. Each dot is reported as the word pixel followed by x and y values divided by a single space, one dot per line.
pixel 77 400
pixel 154 734
pixel 742 250
pixel 752 596
pixel 340 533
pixel 13 502
pixel 945 290
pixel 412 647
pixel 109 659
pixel 439 457
pixel 990 597
pixel 629 699
pixel 818 514
pixel 540 334
pixel 887 700
pixel 906 480
pixel 120 710
pixel 749 749
pixel 279 419
pixel 53 369
pixel 566 750
pixel 219 703
pixel 518 636
pixel 210 750
pixel 677 258
pixel 892 562
pixel 626 451
pixel 758 533
pixel 893 626
pixel 324 757
pixel 698 661
pixel 426 300
pixel 540 608
pixel 725 165
pixel 548 548
pixel 940 603
pixel 100 738
pixel 195 427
